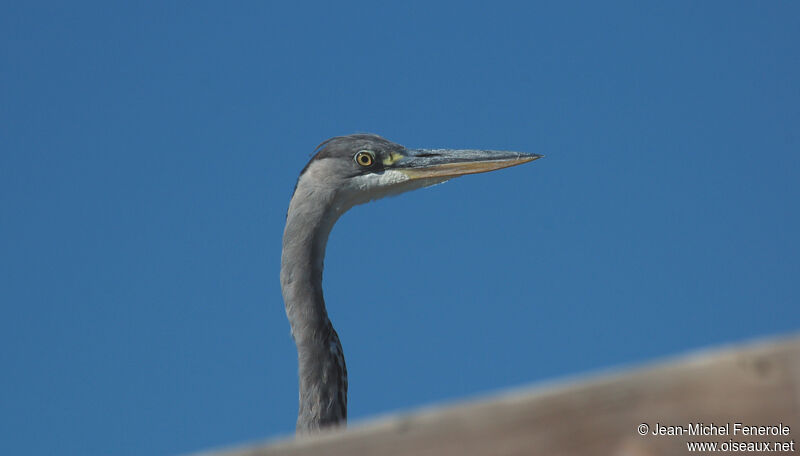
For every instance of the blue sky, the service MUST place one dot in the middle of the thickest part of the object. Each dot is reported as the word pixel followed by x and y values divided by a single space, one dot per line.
pixel 148 153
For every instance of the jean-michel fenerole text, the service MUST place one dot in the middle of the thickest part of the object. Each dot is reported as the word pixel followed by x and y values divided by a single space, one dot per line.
pixel 720 429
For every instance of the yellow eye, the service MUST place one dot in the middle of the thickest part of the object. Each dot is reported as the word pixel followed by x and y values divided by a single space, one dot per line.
pixel 365 158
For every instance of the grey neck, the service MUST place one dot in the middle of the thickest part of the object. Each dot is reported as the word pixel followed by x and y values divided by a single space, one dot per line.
pixel 322 370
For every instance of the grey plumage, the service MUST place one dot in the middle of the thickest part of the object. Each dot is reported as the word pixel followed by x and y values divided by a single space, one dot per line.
pixel 346 171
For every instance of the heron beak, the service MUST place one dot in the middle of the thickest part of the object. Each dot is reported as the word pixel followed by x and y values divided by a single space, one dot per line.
pixel 448 163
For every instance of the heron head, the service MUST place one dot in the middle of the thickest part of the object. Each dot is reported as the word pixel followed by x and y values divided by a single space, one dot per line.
pixel 359 168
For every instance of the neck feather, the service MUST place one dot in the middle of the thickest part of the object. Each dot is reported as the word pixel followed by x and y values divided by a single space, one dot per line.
pixel 321 366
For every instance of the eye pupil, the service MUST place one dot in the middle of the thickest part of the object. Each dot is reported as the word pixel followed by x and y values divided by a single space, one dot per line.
pixel 364 158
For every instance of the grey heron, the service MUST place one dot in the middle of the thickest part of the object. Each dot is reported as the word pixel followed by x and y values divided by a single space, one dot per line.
pixel 344 172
